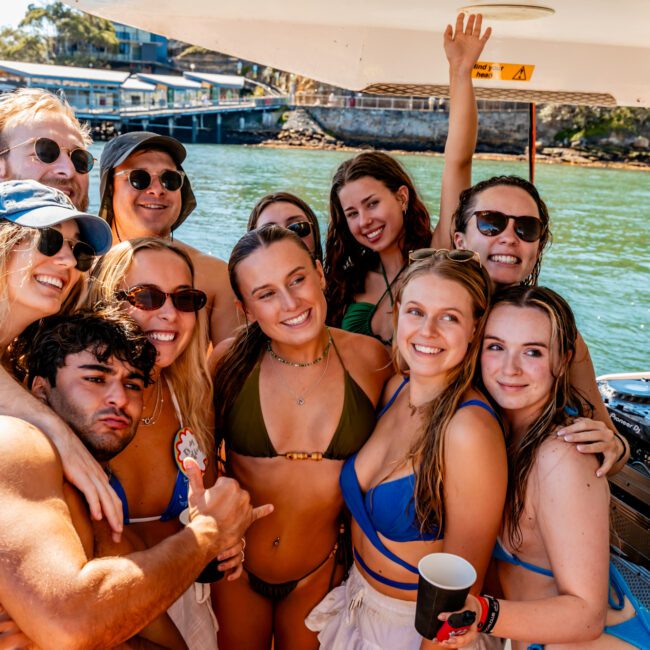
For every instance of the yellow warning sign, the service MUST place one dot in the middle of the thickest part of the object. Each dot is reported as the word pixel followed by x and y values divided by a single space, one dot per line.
pixel 502 71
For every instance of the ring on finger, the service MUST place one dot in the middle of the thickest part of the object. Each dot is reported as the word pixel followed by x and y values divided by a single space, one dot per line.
pixel 243 556
pixel 243 543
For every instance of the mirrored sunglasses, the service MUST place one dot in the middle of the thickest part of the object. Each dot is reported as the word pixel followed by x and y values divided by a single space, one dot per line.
pixel 140 179
pixel 301 228
pixel 492 223
pixel 456 255
pixel 149 298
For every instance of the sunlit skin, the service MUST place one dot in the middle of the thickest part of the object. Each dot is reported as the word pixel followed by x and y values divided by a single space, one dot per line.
pixel 287 299
pixel 169 329
pixel 374 214
pixel 22 163
pixel 284 214
pixel 148 212
pixel 102 401
pixel 507 259
pixel 38 284
pixel 516 361
pixel 434 329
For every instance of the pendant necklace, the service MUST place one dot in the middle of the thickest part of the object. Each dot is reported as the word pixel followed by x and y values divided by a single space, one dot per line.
pixel 300 398
pixel 157 407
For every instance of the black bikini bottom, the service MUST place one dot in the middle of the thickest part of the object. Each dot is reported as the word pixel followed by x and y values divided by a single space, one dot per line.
pixel 276 591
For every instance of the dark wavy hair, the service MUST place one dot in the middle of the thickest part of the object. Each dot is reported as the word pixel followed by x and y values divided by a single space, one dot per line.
pixel 347 262
pixel 240 359
pixel 287 197
pixel 467 203
pixel 42 350
pixel 564 402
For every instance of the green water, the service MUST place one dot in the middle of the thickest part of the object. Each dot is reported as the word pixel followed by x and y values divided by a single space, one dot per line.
pixel 600 218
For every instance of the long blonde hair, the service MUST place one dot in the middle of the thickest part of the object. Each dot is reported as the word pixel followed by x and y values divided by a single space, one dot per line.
pixel 427 453
pixel 188 375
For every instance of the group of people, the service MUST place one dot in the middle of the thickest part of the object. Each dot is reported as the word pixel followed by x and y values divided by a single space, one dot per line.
pixel 257 454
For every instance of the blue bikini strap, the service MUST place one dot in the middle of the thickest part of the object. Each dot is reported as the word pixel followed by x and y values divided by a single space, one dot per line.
pixel 393 397
pixel 483 405
pixel 354 500
pixel 383 579
pixel 114 482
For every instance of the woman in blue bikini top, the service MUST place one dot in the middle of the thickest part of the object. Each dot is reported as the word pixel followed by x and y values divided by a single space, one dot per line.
pixel 553 552
pixel 432 477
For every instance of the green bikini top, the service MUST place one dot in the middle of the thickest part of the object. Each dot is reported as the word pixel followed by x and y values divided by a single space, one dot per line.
pixel 358 316
pixel 246 432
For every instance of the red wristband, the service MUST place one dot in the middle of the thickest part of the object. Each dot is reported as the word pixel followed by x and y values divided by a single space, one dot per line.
pixel 484 612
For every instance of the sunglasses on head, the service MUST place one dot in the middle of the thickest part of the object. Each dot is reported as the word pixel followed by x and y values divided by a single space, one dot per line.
pixel 140 179
pixel 149 298
pixel 48 152
pixel 491 223
pixel 456 255
pixel 50 242
pixel 301 228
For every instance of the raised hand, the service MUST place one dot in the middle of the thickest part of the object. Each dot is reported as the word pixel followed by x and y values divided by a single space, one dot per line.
pixel 464 44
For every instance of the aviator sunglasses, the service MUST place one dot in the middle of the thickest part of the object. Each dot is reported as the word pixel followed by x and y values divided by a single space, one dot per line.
pixel 301 228
pixel 456 255
pixel 140 179
pixel 149 298
pixel 48 152
pixel 492 223
pixel 51 241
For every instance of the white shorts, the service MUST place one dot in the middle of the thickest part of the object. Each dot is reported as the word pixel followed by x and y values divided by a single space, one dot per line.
pixel 193 616
pixel 355 616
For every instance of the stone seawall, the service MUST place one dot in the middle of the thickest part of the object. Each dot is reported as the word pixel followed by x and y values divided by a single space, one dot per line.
pixel 499 131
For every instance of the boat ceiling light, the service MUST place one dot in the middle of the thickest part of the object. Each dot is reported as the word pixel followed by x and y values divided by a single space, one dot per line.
pixel 508 11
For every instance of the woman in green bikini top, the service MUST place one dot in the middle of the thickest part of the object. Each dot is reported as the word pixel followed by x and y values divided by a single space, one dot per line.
pixel 377 217
pixel 293 400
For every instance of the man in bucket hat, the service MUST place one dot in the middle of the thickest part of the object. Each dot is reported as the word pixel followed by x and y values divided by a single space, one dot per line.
pixel 146 193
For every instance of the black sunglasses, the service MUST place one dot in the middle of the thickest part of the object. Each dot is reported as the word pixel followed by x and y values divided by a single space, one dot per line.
pixel 149 298
pixel 51 241
pixel 301 228
pixel 48 152
pixel 140 179
pixel 491 223
pixel 456 255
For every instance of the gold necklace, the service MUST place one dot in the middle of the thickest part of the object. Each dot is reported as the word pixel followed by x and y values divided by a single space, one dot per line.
pixel 157 407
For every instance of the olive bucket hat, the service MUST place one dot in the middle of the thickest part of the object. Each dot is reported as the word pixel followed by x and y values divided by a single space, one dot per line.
pixel 120 148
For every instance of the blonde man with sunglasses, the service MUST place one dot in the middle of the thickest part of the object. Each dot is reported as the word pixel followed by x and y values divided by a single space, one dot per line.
pixel 42 140
pixel 146 193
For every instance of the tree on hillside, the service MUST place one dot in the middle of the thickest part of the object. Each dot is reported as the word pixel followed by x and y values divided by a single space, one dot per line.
pixel 18 45
pixel 70 36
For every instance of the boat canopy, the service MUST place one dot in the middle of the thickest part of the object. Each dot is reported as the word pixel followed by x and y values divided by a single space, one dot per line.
pixel 566 51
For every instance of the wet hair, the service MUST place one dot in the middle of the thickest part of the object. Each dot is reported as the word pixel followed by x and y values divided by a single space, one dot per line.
pixel 188 374
pixel 562 399
pixel 427 453
pixel 467 203
pixel 106 334
pixel 24 104
pixel 240 359
pixel 347 262
pixel 287 197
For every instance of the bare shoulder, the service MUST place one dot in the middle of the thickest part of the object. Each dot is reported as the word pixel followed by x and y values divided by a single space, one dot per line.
pixel 560 461
pixel 366 359
pixel 475 426
pixel 24 445
pixel 204 262
pixel 219 350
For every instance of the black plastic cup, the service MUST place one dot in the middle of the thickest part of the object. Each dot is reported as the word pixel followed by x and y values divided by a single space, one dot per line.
pixel 445 580
pixel 210 572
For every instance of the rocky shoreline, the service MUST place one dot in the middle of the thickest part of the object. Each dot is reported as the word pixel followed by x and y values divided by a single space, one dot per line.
pixel 300 130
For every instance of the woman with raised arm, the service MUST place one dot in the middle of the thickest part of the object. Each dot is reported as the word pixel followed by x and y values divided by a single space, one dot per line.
pixel 154 280
pixel 293 400
pixel 507 223
pixel 553 551
pixel 288 210
pixel 377 216
pixel 46 248
pixel 426 489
